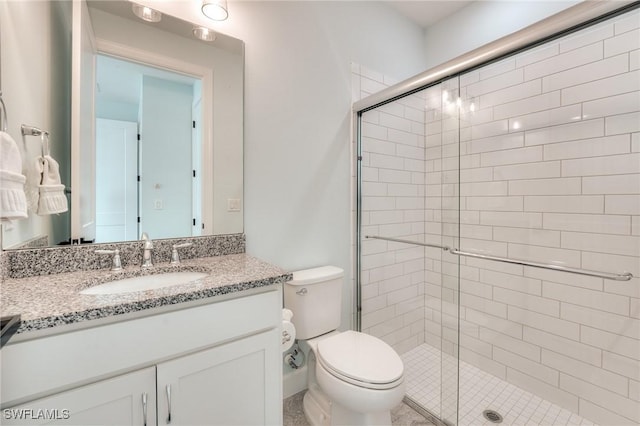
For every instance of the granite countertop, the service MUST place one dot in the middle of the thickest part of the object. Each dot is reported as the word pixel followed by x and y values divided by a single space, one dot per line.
pixel 48 301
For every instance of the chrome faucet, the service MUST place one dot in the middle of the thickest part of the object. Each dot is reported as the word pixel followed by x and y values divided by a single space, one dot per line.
pixel 116 264
pixel 175 257
pixel 146 254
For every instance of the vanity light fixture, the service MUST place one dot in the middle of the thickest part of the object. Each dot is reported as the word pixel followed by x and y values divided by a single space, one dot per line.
pixel 215 9
pixel 146 13
pixel 204 34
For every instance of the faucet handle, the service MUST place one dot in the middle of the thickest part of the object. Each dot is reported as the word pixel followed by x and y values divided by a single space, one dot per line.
pixel 148 243
pixel 116 265
pixel 175 258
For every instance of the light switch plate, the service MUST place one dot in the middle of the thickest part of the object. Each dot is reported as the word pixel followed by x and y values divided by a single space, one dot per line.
pixel 233 204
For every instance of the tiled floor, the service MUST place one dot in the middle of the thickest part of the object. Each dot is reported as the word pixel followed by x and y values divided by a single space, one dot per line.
pixel 403 415
pixel 479 391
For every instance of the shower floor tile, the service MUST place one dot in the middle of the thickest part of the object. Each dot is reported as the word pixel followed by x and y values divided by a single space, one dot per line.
pixel 479 391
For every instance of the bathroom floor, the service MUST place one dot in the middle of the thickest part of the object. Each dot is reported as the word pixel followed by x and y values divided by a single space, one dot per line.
pixel 479 391
pixel 402 415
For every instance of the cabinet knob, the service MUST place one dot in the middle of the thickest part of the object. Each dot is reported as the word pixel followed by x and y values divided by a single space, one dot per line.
pixel 169 404
pixel 144 408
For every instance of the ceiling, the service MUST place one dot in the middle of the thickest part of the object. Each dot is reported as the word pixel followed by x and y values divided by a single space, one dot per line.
pixel 427 12
pixel 120 81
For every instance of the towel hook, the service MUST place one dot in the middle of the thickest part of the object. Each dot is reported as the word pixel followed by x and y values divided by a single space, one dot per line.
pixel 5 125
pixel 31 130
pixel 34 131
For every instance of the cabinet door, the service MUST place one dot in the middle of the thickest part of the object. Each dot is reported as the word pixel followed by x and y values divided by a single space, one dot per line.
pixel 238 383
pixel 116 401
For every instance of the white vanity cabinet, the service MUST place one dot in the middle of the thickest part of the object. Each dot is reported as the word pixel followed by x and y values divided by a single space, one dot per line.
pixel 128 399
pixel 224 385
pixel 212 364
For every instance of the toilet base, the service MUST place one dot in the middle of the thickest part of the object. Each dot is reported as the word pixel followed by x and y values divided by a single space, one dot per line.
pixel 320 411
pixel 316 407
pixel 343 416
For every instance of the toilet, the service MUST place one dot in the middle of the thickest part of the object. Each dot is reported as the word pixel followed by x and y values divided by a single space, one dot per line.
pixel 353 378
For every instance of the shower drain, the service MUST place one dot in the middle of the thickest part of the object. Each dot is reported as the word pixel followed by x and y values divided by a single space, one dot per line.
pixel 492 416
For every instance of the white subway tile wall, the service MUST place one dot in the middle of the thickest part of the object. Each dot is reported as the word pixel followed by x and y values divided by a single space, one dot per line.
pixel 571 168
pixel 534 157
pixel 393 198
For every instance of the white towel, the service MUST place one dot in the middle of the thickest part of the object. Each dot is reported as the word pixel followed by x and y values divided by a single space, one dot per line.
pixel 13 203
pixel 51 197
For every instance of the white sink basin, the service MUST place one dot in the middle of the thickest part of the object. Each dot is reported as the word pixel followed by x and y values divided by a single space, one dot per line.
pixel 146 282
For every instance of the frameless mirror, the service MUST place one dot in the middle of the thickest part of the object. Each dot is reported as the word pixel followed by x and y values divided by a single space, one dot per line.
pixel 35 70
pixel 154 142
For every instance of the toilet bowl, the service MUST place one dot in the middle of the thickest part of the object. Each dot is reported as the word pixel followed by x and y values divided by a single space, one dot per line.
pixel 361 375
pixel 353 378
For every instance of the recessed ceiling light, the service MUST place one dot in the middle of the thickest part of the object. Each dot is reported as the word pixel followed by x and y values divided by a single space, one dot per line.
pixel 146 13
pixel 204 34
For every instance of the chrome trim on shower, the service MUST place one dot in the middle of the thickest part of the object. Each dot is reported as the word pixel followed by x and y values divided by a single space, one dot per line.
pixel 399 240
pixel 567 20
pixel 625 276
pixel 357 296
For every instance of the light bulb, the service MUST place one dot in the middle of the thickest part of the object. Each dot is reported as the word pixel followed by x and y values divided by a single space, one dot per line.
pixel 215 9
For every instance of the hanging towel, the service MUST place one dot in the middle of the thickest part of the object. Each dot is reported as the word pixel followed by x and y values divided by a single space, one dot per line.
pixel 51 198
pixel 13 203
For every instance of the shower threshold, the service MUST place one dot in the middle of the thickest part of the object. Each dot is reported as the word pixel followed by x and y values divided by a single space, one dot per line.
pixel 479 391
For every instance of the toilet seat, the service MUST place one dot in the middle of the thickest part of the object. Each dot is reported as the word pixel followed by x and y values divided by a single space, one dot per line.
pixel 361 359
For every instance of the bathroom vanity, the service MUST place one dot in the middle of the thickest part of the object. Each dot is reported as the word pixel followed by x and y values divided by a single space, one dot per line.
pixel 206 352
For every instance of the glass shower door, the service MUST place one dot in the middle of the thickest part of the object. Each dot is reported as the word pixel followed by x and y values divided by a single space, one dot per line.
pixel 529 167
pixel 409 209
pixel 550 174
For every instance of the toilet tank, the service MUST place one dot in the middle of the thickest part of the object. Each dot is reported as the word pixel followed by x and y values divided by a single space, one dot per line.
pixel 315 298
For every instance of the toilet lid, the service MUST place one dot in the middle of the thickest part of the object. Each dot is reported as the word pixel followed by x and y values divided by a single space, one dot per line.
pixel 360 357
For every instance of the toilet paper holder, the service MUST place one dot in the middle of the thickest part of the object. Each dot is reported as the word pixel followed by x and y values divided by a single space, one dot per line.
pixel 288 330
pixel 286 337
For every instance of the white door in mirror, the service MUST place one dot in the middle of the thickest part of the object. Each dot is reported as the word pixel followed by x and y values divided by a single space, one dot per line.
pixel 146 282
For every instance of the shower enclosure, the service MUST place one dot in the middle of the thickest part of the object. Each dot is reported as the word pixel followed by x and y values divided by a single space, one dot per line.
pixel 498 225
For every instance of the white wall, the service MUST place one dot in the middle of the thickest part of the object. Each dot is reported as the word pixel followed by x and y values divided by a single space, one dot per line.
pixel 297 107
pixel 298 112
pixel 297 118
pixel 113 110
pixel 483 22
pixel 28 30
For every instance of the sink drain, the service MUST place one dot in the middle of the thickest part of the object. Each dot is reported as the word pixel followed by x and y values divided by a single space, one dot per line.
pixel 492 416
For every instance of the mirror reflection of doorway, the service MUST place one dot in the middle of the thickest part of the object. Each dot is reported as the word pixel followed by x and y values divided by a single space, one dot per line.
pixel 146 182
pixel 116 180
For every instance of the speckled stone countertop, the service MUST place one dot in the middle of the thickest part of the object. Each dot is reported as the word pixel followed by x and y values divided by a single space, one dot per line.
pixel 54 300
